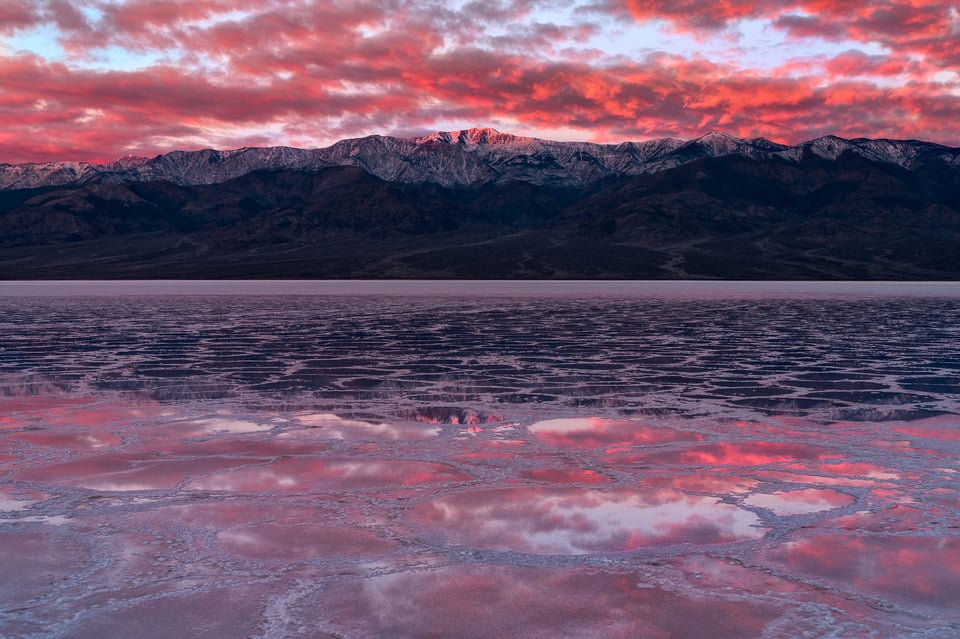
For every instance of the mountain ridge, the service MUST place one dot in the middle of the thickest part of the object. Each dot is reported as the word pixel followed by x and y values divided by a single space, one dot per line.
pixel 477 203
pixel 467 157
pixel 730 217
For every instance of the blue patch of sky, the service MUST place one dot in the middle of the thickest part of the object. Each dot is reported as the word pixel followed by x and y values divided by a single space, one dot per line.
pixel 92 14
pixel 115 58
pixel 43 41
pixel 767 47
pixel 234 15
pixel 747 44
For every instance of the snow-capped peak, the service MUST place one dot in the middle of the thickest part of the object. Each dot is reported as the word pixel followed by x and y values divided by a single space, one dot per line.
pixel 474 136
pixel 466 157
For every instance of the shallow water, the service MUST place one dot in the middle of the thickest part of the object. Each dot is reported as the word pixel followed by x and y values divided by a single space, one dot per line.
pixel 479 459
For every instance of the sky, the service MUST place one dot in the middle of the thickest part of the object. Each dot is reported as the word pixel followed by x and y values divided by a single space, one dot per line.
pixel 97 80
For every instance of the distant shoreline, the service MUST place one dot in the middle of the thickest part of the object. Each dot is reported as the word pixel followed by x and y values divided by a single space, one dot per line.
pixel 472 288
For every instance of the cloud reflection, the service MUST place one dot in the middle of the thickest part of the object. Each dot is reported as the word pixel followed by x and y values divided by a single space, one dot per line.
pixel 583 433
pixel 513 601
pixel 279 542
pixel 305 474
pixel 738 454
pixel 798 502
pixel 127 472
pixel 330 426
pixel 575 522
pixel 919 569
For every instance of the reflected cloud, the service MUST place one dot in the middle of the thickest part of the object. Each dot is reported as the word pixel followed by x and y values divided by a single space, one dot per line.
pixel 110 414
pixel 68 439
pixel 13 499
pixel 799 502
pixel 127 472
pixel 897 518
pixel 298 474
pixel 183 610
pixel 848 470
pixel 582 521
pixel 583 433
pixel 920 569
pixel 737 454
pixel 33 563
pixel 224 514
pixel 278 542
pixel 943 428
pixel 353 511
pixel 331 426
pixel 824 480
pixel 502 601
pixel 225 425
pixel 42 405
pixel 702 483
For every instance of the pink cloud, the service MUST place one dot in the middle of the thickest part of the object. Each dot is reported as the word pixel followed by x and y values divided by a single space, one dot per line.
pixel 315 72
pixel 15 15
pixel 697 15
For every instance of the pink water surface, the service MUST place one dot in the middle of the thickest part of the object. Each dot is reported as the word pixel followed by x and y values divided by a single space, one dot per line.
pixel 121 519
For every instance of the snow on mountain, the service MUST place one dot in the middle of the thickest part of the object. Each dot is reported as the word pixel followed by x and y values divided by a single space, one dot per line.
pixel 466 157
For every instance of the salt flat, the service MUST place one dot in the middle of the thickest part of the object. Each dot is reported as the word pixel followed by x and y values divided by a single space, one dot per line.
pixel 739 462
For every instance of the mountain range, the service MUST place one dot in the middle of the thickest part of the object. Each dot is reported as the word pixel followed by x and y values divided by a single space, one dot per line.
pixel 483 204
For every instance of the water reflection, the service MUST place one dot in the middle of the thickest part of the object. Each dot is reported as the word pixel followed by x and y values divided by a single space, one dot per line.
pixel 330 426
pixel 921 569
pixel 943 428
pixel 99 416
pixel 14 499
pixel 593 432
pixel 897 518
pixel 67 439
pixel 33 561
pixel 582 521
pixel 845 469
pixel 566 466
pixel 126 472
pixel 279 542
pixel 737 454
pixel 193 608
pixel 799 502
pixel 306 474
pixel 513 601
pixel 704 483
pixel 222 424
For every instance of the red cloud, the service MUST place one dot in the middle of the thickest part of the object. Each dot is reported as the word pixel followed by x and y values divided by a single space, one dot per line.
pixel 15 15
pixel 695 15
pixel 320 71
pixel 927 27
pixel 856 63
